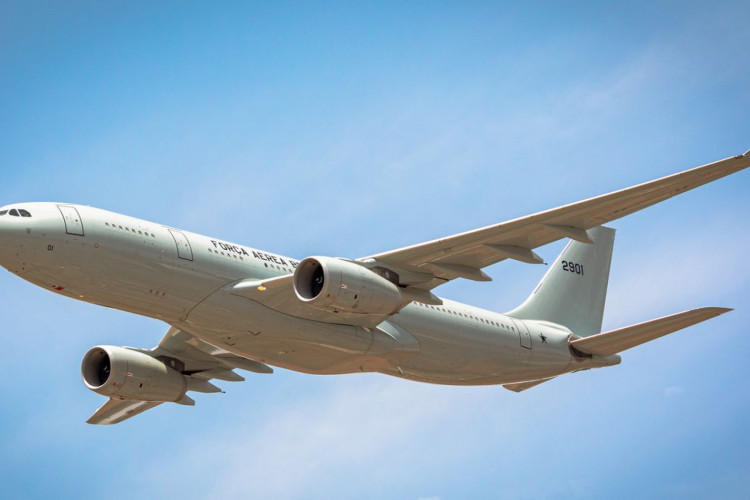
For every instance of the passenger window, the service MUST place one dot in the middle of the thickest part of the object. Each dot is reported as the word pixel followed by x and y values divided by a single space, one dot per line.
pixel 14 212
pixel 24 213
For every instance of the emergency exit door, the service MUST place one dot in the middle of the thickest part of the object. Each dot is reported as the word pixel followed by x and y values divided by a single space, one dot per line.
pixel 183 245
pixel 73 222
pixel 523 333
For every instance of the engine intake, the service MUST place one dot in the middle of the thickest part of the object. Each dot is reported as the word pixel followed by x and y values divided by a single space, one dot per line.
pixel 122 373
pixel 333 284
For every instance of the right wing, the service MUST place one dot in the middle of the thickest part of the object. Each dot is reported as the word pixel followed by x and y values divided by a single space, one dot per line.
pixel 427 265
pixel 420 268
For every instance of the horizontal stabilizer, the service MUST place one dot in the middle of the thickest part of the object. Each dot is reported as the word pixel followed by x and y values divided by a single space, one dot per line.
pixel 612 342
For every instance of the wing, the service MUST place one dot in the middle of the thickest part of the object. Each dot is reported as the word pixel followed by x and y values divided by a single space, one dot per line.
pixel 203 361
pixel 115 411
pixel 198 361
pixel 430 264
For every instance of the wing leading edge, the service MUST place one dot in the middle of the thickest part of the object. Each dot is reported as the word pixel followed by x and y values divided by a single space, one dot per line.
pixel 427 265
pixel 420 268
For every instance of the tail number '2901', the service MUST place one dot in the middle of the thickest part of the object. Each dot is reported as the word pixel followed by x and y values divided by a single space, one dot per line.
pixel 572 267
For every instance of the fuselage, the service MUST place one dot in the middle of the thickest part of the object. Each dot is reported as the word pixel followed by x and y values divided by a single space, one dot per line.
pixel 184 279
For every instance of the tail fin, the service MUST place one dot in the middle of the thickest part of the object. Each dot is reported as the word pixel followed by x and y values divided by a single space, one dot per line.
pixel 573 291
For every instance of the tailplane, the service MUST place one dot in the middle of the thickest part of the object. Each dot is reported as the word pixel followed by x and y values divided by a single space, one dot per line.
pixel 612 342
pixel 573 291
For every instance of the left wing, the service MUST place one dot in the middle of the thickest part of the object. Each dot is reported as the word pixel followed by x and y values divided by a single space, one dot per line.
pixel 198 361
pixel 115 411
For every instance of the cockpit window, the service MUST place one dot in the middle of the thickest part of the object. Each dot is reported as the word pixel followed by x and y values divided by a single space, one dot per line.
pixel 16 213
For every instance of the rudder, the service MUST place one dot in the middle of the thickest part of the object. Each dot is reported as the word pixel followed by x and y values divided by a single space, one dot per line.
pixel 574 290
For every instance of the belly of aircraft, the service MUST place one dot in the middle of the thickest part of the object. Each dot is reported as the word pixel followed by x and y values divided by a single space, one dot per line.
pixel 252 330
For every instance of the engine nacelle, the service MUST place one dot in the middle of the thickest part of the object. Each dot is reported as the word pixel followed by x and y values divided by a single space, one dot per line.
pixel 334 284
pixel 122 373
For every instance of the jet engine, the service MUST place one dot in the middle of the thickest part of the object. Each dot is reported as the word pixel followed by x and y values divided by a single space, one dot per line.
pixel 334 284
pixel 123 373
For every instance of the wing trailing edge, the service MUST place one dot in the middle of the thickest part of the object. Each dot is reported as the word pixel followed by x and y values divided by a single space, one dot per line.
pixel 464 255
pixel 198 361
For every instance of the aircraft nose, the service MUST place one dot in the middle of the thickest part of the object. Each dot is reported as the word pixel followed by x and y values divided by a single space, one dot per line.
pixel 4 236
pixel 15 220
pixel 20 227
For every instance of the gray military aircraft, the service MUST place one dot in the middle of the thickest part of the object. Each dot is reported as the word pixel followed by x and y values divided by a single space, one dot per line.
pixel 231 307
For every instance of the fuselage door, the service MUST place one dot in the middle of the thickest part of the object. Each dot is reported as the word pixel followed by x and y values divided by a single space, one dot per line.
pixel 73 222
pixel 183 245
pixel 523 333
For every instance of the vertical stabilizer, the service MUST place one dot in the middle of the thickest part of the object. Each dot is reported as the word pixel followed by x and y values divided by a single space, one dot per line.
pixel 573 291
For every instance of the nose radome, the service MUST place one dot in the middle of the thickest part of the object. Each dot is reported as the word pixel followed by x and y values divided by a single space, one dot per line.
pixel 4 237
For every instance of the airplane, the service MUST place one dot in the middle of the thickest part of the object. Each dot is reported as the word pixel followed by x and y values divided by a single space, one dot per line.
pixel 230 306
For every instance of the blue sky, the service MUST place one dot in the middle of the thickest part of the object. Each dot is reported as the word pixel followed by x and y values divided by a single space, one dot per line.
pixel 345 130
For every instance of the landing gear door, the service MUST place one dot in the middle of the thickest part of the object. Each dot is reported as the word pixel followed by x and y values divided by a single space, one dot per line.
pixel 73 222
pixel 183 245
pixel 523 333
